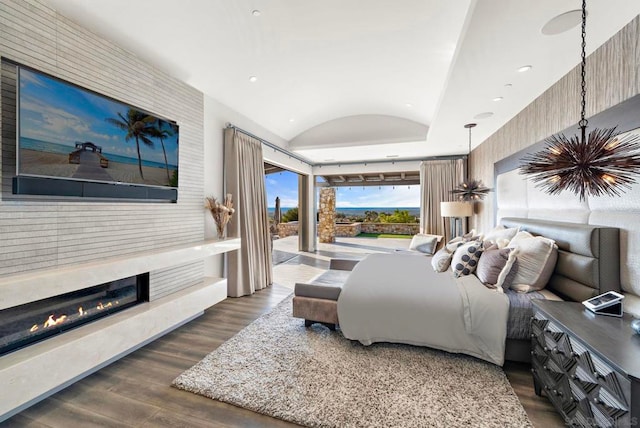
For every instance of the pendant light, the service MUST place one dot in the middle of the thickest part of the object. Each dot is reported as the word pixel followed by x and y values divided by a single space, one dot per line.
pixel 601 163
pixel 470 190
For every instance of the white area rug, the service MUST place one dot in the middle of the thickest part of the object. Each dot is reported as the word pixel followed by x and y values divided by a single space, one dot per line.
pixel 317 378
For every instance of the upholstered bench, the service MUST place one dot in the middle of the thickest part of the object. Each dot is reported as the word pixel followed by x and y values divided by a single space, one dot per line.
pixel 317 300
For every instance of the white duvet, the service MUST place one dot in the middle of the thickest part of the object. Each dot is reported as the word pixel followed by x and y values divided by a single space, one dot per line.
pixel 399 298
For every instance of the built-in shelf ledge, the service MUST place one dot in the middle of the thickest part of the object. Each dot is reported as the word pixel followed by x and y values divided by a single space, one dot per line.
pixel 31 374
pixel 35 285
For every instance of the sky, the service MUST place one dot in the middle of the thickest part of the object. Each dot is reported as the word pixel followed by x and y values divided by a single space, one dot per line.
pixel 285 185
pixel 57 112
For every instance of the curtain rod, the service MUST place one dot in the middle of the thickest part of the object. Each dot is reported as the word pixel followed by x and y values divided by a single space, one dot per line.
pixel 270 145
pixel 393 161
pixel 303 160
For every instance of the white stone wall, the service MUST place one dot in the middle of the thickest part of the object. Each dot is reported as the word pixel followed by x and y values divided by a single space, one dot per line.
pixel 38 233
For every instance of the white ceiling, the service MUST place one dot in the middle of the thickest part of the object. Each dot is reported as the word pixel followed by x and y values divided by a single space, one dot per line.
pixel 433 64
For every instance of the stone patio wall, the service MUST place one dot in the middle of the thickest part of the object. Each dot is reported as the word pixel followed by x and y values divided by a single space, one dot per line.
pixel 287 229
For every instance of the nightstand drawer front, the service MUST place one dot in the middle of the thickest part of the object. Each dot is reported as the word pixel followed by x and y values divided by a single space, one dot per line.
pixel 581 385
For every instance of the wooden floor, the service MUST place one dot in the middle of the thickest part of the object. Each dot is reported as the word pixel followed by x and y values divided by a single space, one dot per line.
pixel 135 391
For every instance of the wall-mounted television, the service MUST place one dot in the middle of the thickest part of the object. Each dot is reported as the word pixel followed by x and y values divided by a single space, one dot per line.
pixel 74 142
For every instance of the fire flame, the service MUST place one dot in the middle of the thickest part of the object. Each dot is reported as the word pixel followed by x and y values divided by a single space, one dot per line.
pixel 101 306
pixel 51 321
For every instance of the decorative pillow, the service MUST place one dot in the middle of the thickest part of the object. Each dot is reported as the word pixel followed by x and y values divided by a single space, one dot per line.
pixel 453 245
pixel 493 266
pixel 500 232
pixel 441 260
pixel 536 260
pixel 465 259
pixel 502 243
pixel 520 235
pixel 425 243
pixel 505 279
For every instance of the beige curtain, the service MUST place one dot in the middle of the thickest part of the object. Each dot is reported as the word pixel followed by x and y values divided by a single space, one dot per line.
pixel 437 178
pixel 248 269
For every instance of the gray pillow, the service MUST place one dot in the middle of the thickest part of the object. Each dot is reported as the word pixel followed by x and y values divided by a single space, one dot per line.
pixel 495 266
pixel 441 260
pixel 424 243
pixel 465 259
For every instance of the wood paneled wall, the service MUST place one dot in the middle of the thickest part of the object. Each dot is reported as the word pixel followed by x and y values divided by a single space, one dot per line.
pixel 612 77
pixel 38 233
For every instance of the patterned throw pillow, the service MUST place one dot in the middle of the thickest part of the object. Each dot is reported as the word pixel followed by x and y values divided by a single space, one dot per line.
pixel 441 260
pixel 465 259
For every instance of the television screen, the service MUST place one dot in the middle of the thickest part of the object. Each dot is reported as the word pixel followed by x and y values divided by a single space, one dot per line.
pixel 65 131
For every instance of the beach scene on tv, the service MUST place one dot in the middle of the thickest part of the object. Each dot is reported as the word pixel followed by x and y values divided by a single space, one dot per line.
pixel 68 132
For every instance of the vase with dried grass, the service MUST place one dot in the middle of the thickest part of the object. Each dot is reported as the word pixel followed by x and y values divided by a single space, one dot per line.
pixel 220 211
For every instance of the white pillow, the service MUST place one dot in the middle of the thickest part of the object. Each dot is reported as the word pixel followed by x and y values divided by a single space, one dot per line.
pixel 535 261
pixel 520 235
pixel 425 243
pixel 500 232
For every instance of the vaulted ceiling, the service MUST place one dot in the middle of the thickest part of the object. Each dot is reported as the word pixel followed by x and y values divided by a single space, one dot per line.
pixel 358 79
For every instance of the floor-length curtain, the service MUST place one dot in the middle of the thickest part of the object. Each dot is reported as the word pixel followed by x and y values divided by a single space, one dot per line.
pixel 248 269
pixel 437 178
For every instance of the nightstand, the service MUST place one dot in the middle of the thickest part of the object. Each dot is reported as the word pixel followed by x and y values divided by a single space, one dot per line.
pixel 587 365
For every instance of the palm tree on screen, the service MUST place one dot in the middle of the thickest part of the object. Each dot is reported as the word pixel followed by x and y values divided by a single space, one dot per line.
pixel 161 133
pixel 138 126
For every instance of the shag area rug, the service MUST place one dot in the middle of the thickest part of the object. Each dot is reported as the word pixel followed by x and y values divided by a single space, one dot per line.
pixel 315 377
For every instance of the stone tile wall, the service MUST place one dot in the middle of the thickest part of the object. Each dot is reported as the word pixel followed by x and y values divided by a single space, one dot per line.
pixel 327 210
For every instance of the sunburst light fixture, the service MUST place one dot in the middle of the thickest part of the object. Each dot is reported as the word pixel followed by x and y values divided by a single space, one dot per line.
pixel 470 190
pixel 602 163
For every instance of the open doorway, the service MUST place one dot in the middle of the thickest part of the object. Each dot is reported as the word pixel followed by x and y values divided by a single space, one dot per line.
pixel 371 205
pixel 282 187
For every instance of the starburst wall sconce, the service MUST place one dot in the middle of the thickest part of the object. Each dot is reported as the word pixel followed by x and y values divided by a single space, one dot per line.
pixel 602 163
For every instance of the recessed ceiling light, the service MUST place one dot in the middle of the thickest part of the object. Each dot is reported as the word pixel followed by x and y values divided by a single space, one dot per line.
pixel 292 120
pixel 483 115
pixel 255 12
pixel 508 85
pixel 498 98
pixel 253 79
pixel 525 68
pixel 409 105
pixel 563 22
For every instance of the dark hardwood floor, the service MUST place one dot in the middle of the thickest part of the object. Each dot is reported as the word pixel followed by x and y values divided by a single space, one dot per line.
pixel 135 391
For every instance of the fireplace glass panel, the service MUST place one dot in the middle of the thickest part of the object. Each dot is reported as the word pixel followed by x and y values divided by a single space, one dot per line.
pixel 35 321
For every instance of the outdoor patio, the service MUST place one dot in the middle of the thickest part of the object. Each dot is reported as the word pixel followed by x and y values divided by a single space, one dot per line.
pixel 291 265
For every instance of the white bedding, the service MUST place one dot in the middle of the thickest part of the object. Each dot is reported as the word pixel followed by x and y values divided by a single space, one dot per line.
pixel 399 298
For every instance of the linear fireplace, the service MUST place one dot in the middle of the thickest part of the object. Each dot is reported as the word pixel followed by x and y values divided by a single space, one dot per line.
pixel 31 322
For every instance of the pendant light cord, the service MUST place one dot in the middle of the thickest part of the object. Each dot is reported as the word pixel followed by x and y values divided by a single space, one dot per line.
pixel 583 92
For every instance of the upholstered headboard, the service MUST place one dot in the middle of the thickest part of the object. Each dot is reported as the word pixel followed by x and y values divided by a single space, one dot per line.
pixel 588 256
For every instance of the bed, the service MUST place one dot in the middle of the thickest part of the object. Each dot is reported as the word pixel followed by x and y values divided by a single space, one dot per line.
pixel 385 297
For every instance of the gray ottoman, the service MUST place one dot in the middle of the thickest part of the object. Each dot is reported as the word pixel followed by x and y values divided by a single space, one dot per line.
pixel 317 300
